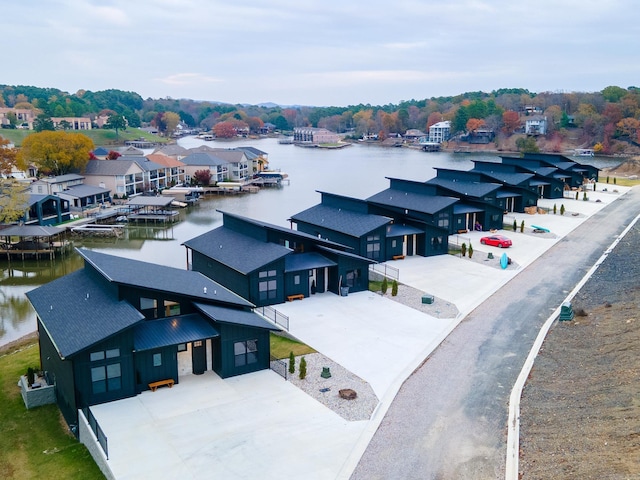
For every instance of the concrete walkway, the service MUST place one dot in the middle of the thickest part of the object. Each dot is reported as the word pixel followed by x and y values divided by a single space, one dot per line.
pixel 258 425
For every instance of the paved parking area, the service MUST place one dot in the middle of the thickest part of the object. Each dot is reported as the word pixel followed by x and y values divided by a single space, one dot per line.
pixel 259 426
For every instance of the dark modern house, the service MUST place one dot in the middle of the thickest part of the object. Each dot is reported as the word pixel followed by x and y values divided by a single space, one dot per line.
pixel 347 221
pixel 268 264
pixel 417 207
pixel 46 210
pixel 113 328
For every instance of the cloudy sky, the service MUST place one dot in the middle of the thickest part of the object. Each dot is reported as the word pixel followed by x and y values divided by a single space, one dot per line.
pixel 331 52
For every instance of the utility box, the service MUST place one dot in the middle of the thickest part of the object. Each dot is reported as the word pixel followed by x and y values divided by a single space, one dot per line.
pixel 566 312
pixel 428 299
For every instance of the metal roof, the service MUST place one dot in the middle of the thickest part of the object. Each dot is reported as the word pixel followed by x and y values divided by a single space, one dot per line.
pixel 235 316
pixel 460 209
pixel 30 231
pixel 163 332
pixel 397 230
pixel 142 201
pixel 82 191
pixel 297 262
pixel 77 312
pixel 466 188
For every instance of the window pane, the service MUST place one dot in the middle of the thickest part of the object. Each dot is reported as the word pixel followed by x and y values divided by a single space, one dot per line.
pixel 272 273
pixel 157 359
pixel 113 353
pixel 252 345
pixel 114 384
pixel 113 370
pixel 239 348
pixel 296 279
pixel 262 274
pixel 94 356
pixel 182 347
pixel 97 374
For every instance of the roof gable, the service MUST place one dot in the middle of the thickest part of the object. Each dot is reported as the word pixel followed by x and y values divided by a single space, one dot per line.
pixel 341 220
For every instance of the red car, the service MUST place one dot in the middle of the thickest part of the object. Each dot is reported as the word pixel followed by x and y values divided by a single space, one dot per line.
pixel 499 241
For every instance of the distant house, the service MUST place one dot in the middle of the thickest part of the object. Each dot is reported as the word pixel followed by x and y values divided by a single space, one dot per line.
pixel 440 132
pixel 110 329
pixel 174 172
pixel 46 210
pixel 24 117
pixel 314 136
pixel 535 125
pixel 71 123
pixel 259 159
pixel 101 153
pixel 54 184
pixel 266 264
pixel 126 175
pixel 224 165
pixel 413 135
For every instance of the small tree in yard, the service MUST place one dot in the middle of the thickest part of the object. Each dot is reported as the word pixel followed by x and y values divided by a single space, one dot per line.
pixel 385 285
pixel 303 369
pixel 292 363
pixel 615 181
pixel 584 196
pixel 202 177
pixel 394 288
pixel 515 225
pixel 554 209
pixel 562 209
pixel 463 249
pixel 522 227
pixel 577 193
pixel 470 250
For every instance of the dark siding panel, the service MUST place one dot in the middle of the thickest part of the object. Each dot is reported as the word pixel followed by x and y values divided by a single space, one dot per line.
pixel 61 374
pixel 146 372
pixel 227 277
pixel 232 334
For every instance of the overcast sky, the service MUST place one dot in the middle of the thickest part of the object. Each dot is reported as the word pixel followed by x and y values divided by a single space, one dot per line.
pixel 296 52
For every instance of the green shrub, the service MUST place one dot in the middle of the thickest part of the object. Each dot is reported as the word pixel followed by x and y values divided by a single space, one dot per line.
pixel 292 363
pixel 607 178
pixel 577 193
pixel 31 376
pixel 562 210
pixel 554 209
pixel 515 225
pixel 522 227
pixel 394 288
pixel 385 286
pixel 470 250
pixel 584 197
pixel 615 181
pixel 463 249
pixel 303 369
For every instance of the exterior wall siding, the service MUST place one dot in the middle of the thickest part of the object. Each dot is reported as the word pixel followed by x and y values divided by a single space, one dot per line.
pixel 235 333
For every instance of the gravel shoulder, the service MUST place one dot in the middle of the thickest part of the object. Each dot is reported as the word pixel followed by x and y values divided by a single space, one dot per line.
pixel 580 409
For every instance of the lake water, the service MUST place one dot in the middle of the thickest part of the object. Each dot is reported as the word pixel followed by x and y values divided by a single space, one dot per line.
pixel 358 171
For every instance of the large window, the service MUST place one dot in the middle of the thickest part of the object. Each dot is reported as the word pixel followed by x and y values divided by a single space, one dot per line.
pixel 267 285
pixel 105 376
pixel 373 247
pixel 443 220
pixel 245 352
pixel 352 278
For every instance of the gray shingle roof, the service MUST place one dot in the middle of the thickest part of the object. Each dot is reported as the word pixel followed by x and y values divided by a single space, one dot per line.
pixel 108 167
pixel 468 189
pixel 239 252
pixel 160 278
pixel 82 191
pixel 430 204
pixel 203 159
pixel 77 312
pixel 341 220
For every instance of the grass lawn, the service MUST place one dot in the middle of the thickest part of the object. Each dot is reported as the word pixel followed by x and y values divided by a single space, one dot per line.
pixel 100 137
pixel 282 346
pixel 35 443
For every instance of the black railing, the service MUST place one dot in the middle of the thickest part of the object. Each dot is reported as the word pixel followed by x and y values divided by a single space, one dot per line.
pixel 95 428
pixel 278 366
pixel 274 315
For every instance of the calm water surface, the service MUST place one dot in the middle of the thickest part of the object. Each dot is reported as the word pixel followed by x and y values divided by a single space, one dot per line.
pixel 357 171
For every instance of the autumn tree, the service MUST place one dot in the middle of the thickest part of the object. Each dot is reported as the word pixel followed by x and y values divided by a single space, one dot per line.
pixel 629 126
pixel 474 124
pixel 170 121
pixel 527 145
pixel 7 157
pixel 56 153
pixel 255 124
pixel 433 118
pixel 510 121
pixel 13 200
pixel 224 130
pixel 202 177
pixel 113 155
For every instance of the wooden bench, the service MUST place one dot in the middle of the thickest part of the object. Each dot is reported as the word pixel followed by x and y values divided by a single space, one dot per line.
pixel 154 385
pixel 464 230
pixel 298 296
pixel 398 257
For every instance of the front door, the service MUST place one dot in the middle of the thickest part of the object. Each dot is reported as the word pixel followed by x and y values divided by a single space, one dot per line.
pixel 199 357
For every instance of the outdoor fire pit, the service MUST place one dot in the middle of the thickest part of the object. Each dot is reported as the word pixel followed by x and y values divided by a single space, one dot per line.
pixel 347 394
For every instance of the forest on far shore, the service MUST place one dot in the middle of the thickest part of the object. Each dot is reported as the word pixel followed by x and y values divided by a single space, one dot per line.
pixel 608 121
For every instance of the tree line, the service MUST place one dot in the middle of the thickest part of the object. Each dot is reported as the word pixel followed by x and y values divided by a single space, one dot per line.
pixel 602 117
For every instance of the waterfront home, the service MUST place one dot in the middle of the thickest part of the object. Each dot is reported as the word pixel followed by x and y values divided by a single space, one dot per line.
pixel 536 125
pixel 224 165
pixel 126 176
pixel 540 178
pixel 268 264
pixel 174 173
pixel 117 326
pixel 54 184
pixel 440 132
pixel 46 210
pixel 314 136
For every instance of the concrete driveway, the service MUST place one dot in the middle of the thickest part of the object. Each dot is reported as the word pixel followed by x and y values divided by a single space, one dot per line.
pixel 258 425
